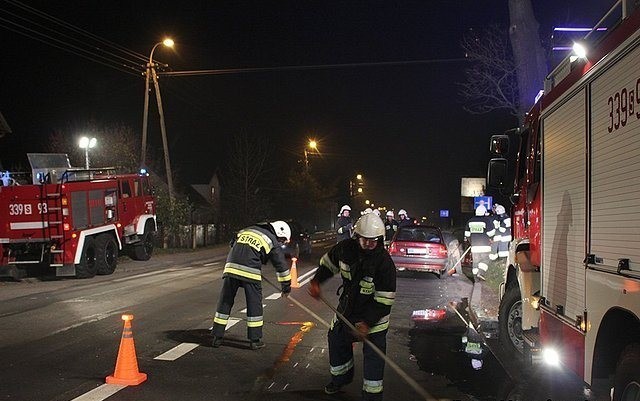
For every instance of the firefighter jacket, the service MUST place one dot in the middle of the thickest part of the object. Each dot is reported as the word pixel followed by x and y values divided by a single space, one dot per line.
pixel 479 230
pixel 502 224
pixel 407 221
pixel 253 247
pixel 368 282
pixel 345 228
pixel 390 228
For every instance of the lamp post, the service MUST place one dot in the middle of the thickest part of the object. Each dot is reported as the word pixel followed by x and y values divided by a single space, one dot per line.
pixel 313 145
pixel 86 143
pixel 151 72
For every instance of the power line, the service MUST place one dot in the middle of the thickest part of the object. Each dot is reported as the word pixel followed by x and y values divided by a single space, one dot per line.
pixel 307 67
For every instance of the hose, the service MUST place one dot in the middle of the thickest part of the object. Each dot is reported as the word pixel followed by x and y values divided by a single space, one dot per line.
pixel 408 379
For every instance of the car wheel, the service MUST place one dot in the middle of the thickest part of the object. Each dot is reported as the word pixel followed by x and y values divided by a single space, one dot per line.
pixel 144 249
pixel 626 381
pixel 107 254
pixel 510 321
pixel 88 266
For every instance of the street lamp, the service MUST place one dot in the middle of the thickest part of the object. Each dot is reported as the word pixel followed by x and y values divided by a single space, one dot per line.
pixel 313 145
pixel 151 72
pixel 86 143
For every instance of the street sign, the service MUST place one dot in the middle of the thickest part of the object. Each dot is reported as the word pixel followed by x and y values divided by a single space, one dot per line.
pixel 444 213
pixel 487 201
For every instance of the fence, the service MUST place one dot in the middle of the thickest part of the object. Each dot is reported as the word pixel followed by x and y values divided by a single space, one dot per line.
pixel 190 236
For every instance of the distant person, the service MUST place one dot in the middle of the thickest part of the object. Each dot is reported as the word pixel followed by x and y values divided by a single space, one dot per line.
pixel 503 230
pixel 253 247
pixel 479 231
pixel 390 227
pixel 344 224
pixel 368 291
pixel 404 219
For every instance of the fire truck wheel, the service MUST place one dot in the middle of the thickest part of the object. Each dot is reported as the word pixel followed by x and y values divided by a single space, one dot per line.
pixel 626 382
pixel 144 249
pixel 107 254
pixel 510 321
pixel 88 266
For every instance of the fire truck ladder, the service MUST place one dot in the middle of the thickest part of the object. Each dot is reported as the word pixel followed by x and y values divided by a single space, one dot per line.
pixel 52 223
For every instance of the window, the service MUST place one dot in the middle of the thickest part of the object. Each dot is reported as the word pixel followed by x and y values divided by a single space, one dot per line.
pixel 125 189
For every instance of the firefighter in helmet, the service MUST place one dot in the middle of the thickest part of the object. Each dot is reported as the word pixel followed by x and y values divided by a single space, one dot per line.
pixel 479 231
pixel 503 230
pixel 390 227
pixel 253 247
pixel 404 218
pixel 344 224
pixel 368 291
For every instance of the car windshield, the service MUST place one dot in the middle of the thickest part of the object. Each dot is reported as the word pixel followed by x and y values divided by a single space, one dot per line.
pixel 419 234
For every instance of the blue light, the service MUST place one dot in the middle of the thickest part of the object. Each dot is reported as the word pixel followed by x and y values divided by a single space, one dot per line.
pixel 143 171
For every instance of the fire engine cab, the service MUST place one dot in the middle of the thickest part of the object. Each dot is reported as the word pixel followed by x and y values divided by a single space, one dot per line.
pixel 73 220
pixel 571 290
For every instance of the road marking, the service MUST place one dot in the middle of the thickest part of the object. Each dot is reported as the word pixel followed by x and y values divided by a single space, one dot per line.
pixel 176 352
pixel 275 295
pixel 100 393
pixel 308 276
pixel 211 264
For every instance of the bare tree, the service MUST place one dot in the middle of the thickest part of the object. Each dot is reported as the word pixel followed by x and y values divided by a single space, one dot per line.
pixel 491 80
pixel 246 171
pixel 508 66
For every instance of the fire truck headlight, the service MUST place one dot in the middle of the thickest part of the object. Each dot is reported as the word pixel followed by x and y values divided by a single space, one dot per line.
pixel 551 357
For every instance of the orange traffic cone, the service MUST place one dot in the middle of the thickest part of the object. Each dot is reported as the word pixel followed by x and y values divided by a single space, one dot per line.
pixel 294 273
pixel 127 365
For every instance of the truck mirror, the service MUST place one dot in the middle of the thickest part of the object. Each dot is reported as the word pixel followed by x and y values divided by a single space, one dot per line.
pixel 499 145
pixel 497 173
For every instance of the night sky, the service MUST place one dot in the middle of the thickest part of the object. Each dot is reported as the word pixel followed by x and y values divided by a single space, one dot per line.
pixel 402 126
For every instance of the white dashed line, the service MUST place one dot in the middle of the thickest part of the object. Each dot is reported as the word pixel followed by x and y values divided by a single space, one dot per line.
pixel 275 295
pixel 100 393
pixel 211 264
pixel 176 352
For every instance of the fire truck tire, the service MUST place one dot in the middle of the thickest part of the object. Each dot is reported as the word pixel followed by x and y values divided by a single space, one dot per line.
pixel 107 254
pixel 88 266
pixel 144 249
pixel 627 378
pixel 510 321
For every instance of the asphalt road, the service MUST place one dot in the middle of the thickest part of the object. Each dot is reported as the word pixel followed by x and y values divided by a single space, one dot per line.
pixel 60 340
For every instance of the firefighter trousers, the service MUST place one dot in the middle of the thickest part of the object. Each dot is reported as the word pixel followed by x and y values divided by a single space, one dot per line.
pixel 253 295
pixel 341 340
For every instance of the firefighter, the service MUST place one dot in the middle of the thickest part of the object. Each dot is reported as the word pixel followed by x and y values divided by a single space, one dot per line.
pixel 345 223
pixel 404 218
pixel 253 247
pixel 390 227
pixel 503 231
pixel 479 231
pixel 368 291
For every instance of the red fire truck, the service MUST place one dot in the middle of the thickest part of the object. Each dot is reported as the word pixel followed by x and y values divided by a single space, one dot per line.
pixel 73 220
pixel 571 290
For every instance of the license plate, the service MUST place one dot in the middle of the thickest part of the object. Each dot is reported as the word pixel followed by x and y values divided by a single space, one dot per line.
pixel 416 251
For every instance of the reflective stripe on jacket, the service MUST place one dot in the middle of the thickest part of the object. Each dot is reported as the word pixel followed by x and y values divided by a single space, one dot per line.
pixel 255 246
pixel 368 282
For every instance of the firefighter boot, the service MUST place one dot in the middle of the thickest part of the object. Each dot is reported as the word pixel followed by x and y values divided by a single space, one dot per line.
pixel 331 388
pixel 217 342
pixel 256 344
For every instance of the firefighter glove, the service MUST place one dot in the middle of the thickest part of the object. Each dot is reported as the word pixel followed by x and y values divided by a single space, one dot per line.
pixel 314 288
pixel 340 230
pixel 363 329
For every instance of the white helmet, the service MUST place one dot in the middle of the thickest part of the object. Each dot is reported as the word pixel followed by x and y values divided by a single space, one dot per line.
pixel 282 229
pixel 343 208
pixel 390 214
pixel 402 212
pixel 481 210
pixel 500 209
pixel 369 226
pixel 376 212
